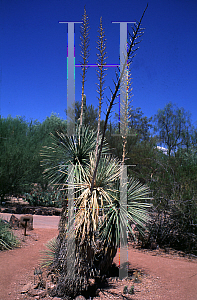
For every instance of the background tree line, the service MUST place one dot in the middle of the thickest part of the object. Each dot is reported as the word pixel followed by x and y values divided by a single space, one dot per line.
pixel 20 146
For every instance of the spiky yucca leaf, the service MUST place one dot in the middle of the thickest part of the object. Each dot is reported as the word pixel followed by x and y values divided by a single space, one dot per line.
pixel 88 205
pixel 68 150
pixel 117 215
pixel 105 200
pixel 48 255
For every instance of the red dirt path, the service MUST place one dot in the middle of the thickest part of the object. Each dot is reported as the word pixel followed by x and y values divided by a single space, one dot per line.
pixel 18 264
pixel 169 278
pixel 177 278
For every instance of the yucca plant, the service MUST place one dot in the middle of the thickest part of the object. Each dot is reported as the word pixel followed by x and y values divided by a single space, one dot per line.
pixel 100 218
pixel 68 151
pixel 98 222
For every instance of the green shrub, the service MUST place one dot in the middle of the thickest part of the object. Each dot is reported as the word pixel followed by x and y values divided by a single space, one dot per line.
pixel 175 226
pixel 7 239
pixel 44 197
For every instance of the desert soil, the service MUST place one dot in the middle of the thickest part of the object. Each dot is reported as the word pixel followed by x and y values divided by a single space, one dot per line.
pixel 161 276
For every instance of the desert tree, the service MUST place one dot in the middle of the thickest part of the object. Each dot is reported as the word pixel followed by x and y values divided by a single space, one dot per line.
pixel 173 124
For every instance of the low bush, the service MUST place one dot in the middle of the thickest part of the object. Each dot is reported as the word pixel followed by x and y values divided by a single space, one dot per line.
pixel 174 226
pixel 7 239
pixel 48 197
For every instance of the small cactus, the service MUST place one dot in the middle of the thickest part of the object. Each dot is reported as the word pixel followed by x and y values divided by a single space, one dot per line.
pixel 125 290
pixel 131 291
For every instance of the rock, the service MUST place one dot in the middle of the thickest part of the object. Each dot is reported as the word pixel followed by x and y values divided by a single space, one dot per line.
pixel 18 209
pixel 80 297
pixel 49 285
pixel 38 211
pixel 14 221
pixel 33 292
pixel 26 288
pixel 9 210
pixel 51 288
pixel 40 293
pixel 153 246
pixel 92 281
pixel 27 210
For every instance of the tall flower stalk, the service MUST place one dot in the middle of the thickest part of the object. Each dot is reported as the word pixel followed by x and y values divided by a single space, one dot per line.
pixel 101 57
pixel 124 105
pixel 84 54
pixel 132 48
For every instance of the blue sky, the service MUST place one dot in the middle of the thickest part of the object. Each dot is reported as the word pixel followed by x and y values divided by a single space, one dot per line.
pixel 33 54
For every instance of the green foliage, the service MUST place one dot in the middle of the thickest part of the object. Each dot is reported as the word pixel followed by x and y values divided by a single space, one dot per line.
pixel 136 212
pixel 45 197
pixel 7 238
pixel 67 150
pixel 131 290
pixel 173 125
pixel 125 290
pixel 174 188
pixel 20 145
pixel 14 155
pixel 139 131
pixel 90 115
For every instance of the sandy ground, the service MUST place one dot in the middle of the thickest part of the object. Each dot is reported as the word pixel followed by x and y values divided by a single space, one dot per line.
pixel 165 278
pixel 17 266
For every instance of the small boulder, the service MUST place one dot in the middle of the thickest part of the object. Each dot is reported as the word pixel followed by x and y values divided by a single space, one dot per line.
pixel 18 209
pixel 14 222
pixel 40 293
pixel 153 246
pixel 26 288
pixel 51 288
pixel 80 297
